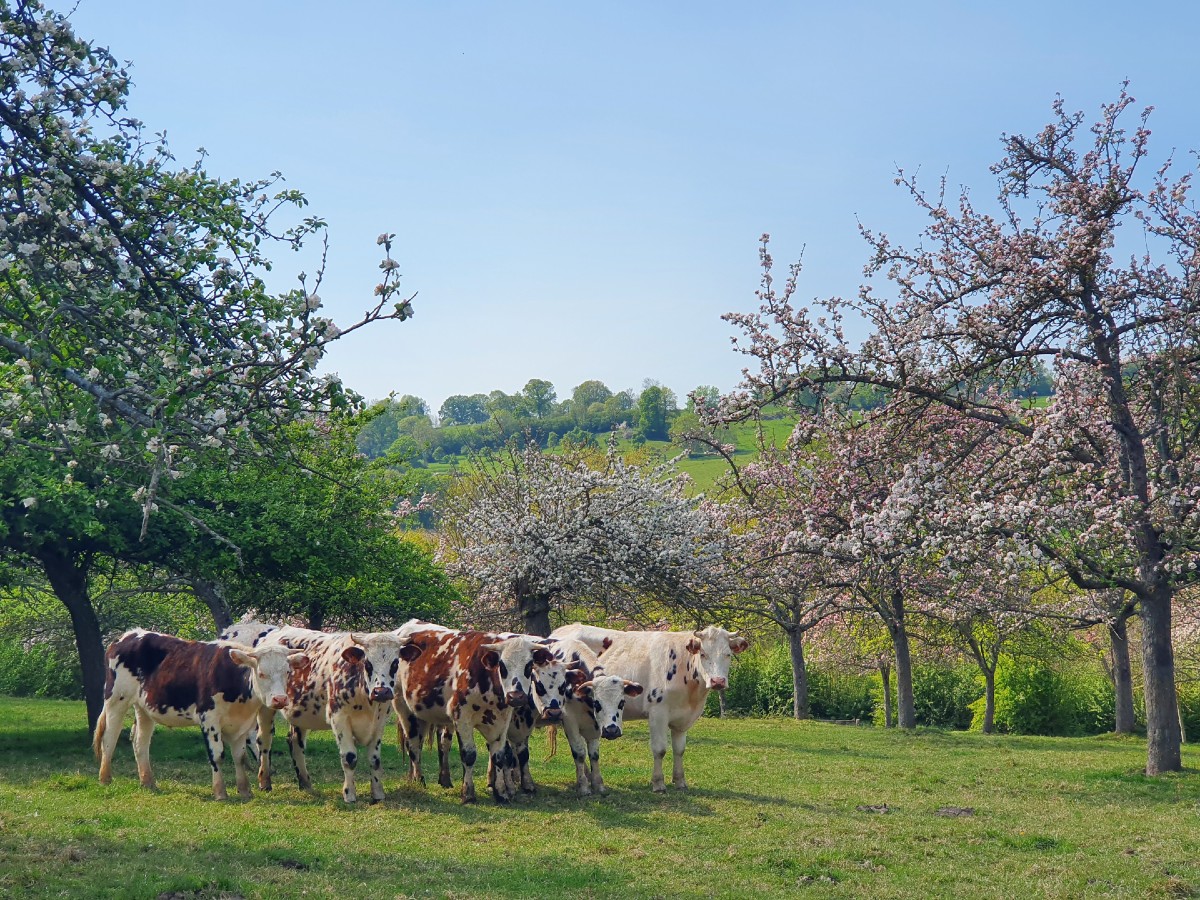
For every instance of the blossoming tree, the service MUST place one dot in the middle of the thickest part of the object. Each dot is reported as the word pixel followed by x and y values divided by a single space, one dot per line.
pixel 536 533
pixel 136 327
pixel 1104 479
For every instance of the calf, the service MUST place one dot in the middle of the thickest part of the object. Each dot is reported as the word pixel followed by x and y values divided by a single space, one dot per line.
pixel 468 681
pixel 677 668
pixel 219 686
pixel 348 689
pixel 595 708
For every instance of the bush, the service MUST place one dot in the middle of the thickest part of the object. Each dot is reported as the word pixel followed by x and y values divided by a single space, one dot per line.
pixel 1035 697
pixel 1189 706
pixel 942 695
pixel 39 670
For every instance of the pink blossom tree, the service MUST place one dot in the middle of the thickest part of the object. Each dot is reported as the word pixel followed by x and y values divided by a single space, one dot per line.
pixel 536 533
pixel 1104 479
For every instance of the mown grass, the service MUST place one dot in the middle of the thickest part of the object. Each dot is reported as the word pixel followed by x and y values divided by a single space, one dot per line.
pixel 776 809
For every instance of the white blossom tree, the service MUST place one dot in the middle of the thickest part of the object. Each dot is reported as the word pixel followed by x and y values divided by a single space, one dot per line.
pixel 536 533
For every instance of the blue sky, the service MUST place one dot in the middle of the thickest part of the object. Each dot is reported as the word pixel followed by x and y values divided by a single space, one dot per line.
pixel 577 189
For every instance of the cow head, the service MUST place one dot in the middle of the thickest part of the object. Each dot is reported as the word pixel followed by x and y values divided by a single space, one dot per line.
pixel 380 656
pixel 269 668
pixel 519 655
pixel 552 688
pixel 712 651
pixel 606 694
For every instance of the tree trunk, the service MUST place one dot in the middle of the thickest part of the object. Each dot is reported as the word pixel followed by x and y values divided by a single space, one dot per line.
pixel 906 714
pixel 535 613
pixel 68 577
pixel 213 597
pixel 989 700
pixel 800 707
pixel 1163 753
pixel 316 615
pixel 1122 677
pixel 885 672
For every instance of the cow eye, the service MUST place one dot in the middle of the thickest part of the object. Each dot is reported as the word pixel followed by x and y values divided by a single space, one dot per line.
pixel 541 689
pixel 370 668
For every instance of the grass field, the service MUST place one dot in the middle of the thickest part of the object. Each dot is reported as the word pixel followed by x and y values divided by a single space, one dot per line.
pixel 776 809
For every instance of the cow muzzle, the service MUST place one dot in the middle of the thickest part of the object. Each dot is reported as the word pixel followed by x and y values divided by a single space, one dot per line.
pixel 278 701
pixel 611 732
pixel 718 684
pixel 517 699
pixel 554 714
pixel 382 694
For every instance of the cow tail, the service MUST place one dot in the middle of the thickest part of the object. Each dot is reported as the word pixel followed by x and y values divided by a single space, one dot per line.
pixel 98 737
pixel 553 736
pixel 431 740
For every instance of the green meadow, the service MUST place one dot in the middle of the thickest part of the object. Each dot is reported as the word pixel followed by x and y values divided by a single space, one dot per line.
pixel 776 808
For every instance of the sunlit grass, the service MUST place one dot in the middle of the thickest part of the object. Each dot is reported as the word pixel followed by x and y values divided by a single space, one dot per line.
pixel 776 808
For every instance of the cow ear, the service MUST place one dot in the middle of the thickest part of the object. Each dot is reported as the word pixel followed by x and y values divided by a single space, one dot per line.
pixel 632 689
pixel 354 654
pixel 542 657
pixel 575 677
pixel 737 643
pixel 242 658
pixel 490 658
pixel 409 652
pixel 693 646
pixel 585 689
pixel 299 661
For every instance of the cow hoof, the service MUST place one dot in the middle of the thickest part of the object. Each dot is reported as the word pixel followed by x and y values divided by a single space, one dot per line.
pixel 467 800
pixel 444 782
pixel 601 790
pixel 659 788
pixel 375 800
pixel 585 792
pixel 531 790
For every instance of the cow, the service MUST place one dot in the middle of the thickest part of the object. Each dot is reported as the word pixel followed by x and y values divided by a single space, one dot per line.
pixel 465 681
pixel 348 689
pixel 594 708
pixel 677 668
pixel 551 691
pixel 219 686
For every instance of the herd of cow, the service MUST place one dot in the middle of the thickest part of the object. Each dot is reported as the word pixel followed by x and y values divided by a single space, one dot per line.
pixel 454 683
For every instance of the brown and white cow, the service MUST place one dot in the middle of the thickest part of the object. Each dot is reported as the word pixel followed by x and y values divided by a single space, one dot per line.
pixel 467 681
pixel 219 686
pixel 677 669
pixel 594 708
pixel 348 688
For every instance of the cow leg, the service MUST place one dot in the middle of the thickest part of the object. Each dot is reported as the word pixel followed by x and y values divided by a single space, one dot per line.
pixel 296 746
pixel 658 749
pixel 466 752
pixel 237 749
pixel 377 765
pixel 678 743
pixel 594 758
pixel 143 730
pixel 266 737
pixel 414 736
pixel 112 718
pixel 348 753
pixel 579 754
pixel 211 731
pixel 444 738
pixel 503 763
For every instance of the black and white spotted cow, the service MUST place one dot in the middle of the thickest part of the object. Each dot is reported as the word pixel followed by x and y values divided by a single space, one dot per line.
pixel 219 686
pixel 677 669
pixel 466 681
pixel 551 690
pixel 348 689
pixel 595 708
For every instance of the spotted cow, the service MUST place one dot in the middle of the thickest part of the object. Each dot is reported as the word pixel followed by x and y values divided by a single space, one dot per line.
pixel 594 708
pixel 466 681
pixel 552 686
pixel 677 668
pixel 348 689
pixel 219 686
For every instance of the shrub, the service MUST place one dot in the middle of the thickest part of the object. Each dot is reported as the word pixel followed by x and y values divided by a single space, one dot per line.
pixel 40 670
pixel 1035 697
pixel 942 695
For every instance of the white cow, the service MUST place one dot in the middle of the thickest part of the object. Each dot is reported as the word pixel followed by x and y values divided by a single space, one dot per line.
pixel 594 707
pixel 677 670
